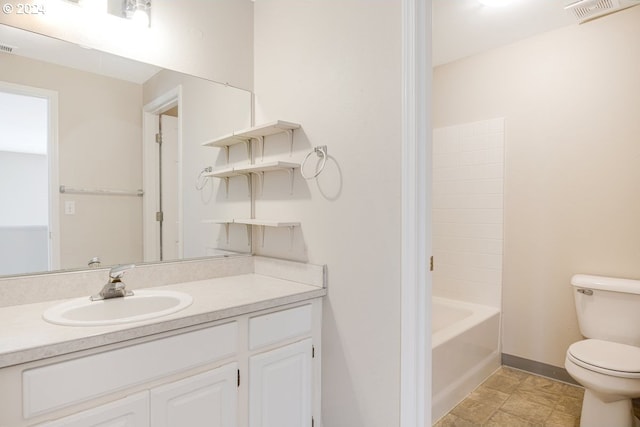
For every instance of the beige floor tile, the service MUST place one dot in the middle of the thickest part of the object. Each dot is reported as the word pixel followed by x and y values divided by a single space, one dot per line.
pixel 504 419
pixel 486 394
pixel 475 411
pixel 513 373
pixel 524 408
pixel 451 420
pixel 538 397
pixel 573 391
pixel 559 419
pixel 537 383
pixel 569 405
pixel 514 398
pixel 504 383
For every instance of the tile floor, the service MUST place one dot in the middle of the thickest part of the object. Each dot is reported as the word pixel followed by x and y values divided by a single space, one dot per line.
pixel 514 398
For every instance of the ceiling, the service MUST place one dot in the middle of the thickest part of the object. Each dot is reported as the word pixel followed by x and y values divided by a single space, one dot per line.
pixel 465 27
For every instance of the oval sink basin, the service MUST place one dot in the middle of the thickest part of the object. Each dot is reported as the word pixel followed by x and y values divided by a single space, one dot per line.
pixel 143 305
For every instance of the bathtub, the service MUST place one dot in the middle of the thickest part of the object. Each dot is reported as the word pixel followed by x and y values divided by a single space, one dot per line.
pixel 465 350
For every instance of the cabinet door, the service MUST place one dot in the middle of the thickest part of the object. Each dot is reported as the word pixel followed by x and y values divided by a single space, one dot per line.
pixel 280 387
pixel 209 399
pixel 132 411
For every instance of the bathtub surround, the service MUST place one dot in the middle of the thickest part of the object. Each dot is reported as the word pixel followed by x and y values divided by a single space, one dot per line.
pixel 467 249
pixel 468 164
pixel 571 167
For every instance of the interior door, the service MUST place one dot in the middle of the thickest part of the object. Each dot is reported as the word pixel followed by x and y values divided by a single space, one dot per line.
pixel 170 164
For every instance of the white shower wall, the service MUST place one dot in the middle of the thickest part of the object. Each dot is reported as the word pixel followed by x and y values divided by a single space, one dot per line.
pixel 468 177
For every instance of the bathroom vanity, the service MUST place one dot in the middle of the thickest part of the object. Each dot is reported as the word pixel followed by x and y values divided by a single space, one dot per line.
pixel 246 352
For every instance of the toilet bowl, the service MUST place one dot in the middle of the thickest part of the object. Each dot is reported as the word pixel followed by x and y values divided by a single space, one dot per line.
pixel 610 373
pixel 607 363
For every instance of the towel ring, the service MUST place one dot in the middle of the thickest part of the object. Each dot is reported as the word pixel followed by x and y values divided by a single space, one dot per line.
pixel 321 151
pixel 201 180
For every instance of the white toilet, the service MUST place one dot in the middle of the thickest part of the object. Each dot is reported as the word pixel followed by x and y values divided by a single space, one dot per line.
pixel 607 363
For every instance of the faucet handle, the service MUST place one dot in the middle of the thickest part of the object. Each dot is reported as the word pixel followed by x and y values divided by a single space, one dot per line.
pixel 118 271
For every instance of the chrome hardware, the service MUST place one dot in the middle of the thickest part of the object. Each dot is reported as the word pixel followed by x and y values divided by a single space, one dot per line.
pixel 585 291
pixel 114 288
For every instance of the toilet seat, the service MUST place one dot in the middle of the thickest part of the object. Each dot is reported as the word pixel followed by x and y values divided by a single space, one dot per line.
pixel 605 357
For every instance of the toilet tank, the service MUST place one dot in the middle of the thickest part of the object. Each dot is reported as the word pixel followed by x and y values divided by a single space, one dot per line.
pixel 608 308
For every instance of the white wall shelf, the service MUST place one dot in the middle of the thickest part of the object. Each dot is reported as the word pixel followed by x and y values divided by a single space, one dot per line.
pixel 257 132
pixel 249 222
pixel 246 136
pixel 258 169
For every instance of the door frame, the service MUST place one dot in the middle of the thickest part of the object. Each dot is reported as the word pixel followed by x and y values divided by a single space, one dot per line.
pixel 52 160
pixel 150 113
pixel 416 280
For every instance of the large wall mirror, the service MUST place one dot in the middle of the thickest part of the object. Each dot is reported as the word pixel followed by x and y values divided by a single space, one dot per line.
pixel 81 173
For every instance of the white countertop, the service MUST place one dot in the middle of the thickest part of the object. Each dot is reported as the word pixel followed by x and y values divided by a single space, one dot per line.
pixel 25 336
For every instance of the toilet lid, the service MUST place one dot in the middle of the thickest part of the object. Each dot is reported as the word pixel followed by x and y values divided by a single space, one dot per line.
pixel 606 357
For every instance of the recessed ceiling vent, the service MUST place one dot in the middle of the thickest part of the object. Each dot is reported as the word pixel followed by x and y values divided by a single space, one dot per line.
pixel 586 10
pixel 6 48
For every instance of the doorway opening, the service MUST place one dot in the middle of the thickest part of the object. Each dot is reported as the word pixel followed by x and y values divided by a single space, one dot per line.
pixel 28 180
pixel 162 208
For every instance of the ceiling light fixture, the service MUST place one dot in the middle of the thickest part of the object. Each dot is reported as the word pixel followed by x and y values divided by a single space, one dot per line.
pixel 138 11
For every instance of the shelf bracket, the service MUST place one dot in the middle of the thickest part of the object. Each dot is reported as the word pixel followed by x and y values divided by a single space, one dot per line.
pixel 291 227
pixel 249 236
pixel 260 140
pixel 226 230
pixel 290 134
pixel 247 143
pixel 226 185
pixel 291 176
pixel 261 179
pixel 226 152
pixel 262 227
pixel 248 175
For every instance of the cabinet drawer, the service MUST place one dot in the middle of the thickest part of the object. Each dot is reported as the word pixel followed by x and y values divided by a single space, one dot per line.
pixel 279 326
pixel 132 411
pixel 58 385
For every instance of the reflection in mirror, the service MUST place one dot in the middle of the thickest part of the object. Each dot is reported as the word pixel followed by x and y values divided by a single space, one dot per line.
pixel 79 126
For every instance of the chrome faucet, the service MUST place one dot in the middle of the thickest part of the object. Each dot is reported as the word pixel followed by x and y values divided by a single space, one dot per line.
pixel 114 288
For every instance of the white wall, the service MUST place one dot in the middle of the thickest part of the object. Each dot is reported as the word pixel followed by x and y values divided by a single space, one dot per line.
pixel 180 32
pixel 335 68
pixel 468 172
pixel 570 100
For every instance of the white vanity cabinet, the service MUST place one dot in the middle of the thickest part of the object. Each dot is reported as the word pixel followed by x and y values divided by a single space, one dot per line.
pixel 280 394
pixel 132 411
pixel 281 375
pixel 206 400
pixel 260 369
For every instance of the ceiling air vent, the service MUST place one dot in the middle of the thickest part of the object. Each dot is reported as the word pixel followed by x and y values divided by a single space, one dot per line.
pixel 586 10
pixel 6 48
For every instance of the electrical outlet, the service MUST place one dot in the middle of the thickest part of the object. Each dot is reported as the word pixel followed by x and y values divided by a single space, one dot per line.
pixel 70 207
